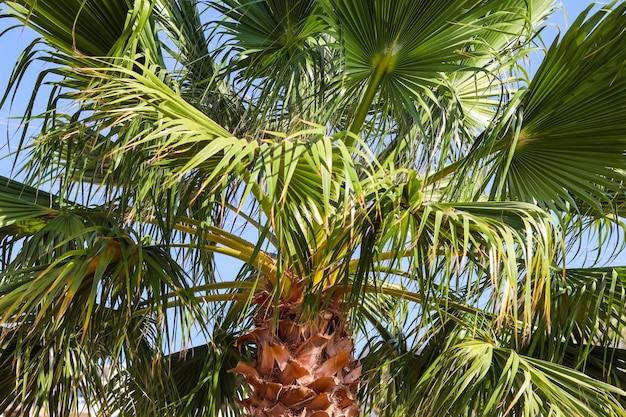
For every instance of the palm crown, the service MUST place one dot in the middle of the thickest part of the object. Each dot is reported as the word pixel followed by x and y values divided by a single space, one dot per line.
pixel 396 180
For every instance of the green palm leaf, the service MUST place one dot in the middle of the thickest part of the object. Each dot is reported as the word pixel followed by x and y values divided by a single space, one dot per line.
pixel 570 146
pixel 24 209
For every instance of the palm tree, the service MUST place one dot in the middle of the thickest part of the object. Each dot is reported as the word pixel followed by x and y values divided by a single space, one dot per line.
pixel 401 197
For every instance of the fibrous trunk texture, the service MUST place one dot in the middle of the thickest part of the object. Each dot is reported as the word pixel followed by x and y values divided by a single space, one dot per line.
pixel 300 369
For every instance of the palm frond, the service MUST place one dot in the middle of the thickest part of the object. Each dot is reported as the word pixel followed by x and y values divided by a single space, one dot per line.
pixel 569 144
pixel 587 314
pixel 476 374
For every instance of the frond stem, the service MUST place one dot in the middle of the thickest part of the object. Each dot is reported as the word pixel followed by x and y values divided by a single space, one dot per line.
pixel 383 67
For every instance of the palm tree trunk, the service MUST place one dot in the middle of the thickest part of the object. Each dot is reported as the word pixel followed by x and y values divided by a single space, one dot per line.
pixel 300 369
